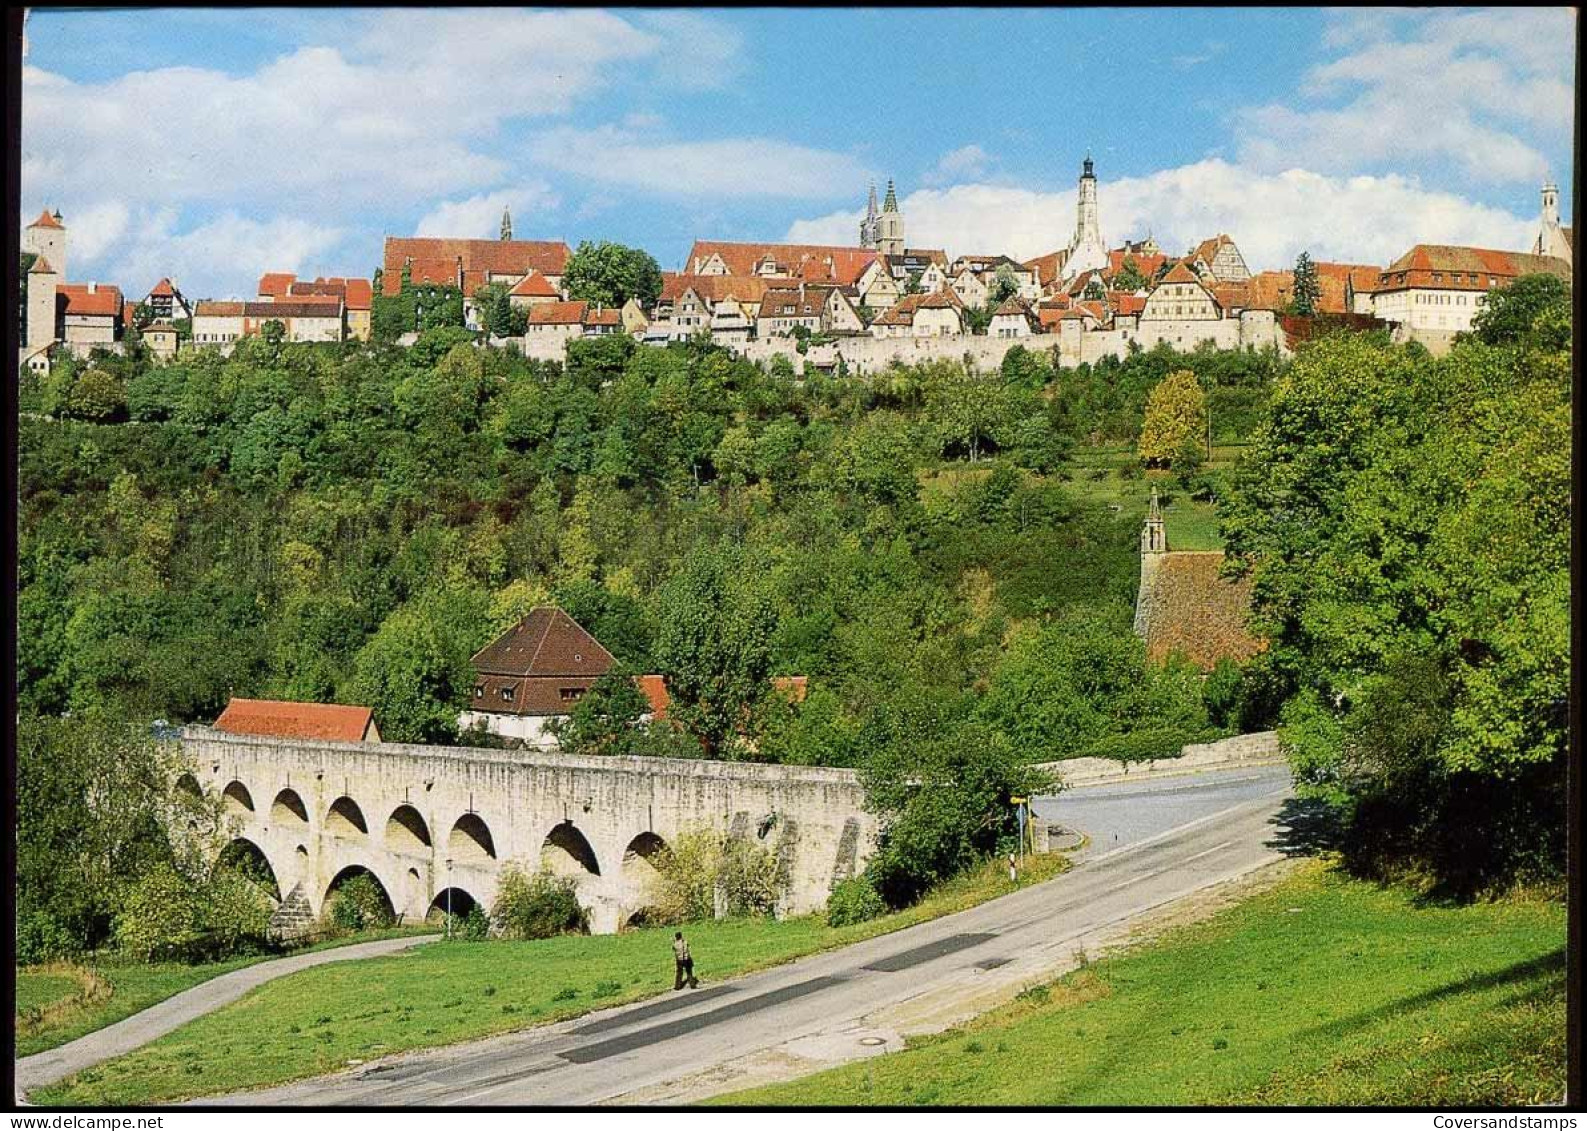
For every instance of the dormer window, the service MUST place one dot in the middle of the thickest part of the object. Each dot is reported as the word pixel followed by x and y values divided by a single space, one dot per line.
pixel 506 694
pixel 479 691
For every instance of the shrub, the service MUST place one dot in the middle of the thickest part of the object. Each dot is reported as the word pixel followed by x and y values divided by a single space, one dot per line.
pixel 854 900
pixel 536 906
pixel 40 939
pixel 476 925
pixel 360 904
pixel 706 873
pixel 164 915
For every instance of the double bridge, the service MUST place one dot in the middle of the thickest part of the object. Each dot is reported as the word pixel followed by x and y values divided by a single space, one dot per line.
pixel 434 826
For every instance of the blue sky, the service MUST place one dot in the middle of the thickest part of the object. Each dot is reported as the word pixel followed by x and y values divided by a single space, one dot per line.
pixel 212 145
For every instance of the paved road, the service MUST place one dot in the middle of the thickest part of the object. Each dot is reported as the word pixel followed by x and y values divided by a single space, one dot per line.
pixel 159 1019
pixel 1175 837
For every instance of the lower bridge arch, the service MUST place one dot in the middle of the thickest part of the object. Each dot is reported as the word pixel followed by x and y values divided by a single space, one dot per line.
pixel 383 907
pixel 248 860
pixel 453 901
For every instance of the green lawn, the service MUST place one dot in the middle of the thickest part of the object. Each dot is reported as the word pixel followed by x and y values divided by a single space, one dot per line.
pixel 133 987
pixel 1323 991
pixel 318 1020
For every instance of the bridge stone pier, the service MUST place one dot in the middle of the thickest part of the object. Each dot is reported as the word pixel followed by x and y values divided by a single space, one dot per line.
pixel 434 825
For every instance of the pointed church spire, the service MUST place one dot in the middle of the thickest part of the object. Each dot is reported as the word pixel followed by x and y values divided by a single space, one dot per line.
pixel 869 226
pixel 506 223
pixel 1154 537
pixel 891 203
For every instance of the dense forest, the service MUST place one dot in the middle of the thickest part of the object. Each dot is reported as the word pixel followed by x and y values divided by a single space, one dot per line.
pixel 350 523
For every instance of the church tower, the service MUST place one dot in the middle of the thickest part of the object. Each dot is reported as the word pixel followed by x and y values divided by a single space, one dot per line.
pixel 869 226
pixel 890 225
pixel 1087 252
pixel 1551 238
pixel 506 223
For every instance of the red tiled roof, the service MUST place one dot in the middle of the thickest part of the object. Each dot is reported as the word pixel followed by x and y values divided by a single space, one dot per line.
pixel 275 284
pixel 534 285
pixel 274 718
pixel 435 260
pixel 105 300
pixel 128 312
pixel 557 314
pixel 1181 274
pixel 162 289
pixel 45 220
pixel 360 294
pixel 547 642
pixel 1013 305
pixel 1147 265
pixel 606 316
pixel 1207 249
pixel 842 265
pixel 311 307
pixel 1048 267
pixel 714 288
pixel 1192 610
pixel 1464 268
pixel 940 299
pixel 1123 302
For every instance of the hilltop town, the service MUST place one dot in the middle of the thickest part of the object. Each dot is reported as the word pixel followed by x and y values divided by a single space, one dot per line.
pixel 866 306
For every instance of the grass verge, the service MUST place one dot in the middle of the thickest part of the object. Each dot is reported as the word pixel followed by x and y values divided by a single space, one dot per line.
pixel 60 1002
pixel 1322 991
pixel 324 1019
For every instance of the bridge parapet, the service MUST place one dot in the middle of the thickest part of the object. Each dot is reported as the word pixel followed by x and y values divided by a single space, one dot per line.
pixel 428 820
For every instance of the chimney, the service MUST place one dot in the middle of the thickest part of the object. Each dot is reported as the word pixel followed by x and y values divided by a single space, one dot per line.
pixel 93 288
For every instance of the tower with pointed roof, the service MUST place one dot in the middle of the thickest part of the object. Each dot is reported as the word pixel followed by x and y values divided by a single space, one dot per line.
pixel 869 225
pixel 42 281
pixel 1154 552
pixel 506 223
pixel 890 225
pixel 1087 252
pixel 1154 539
pixel 46 237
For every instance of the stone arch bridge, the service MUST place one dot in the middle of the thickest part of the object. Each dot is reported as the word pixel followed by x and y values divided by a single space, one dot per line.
pixel 435 825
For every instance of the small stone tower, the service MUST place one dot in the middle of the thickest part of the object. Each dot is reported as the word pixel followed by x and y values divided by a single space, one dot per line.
pixel 506 223
pixel 1087 252
pixel 46 237
pixel 870 225
pixel 890 225
pixel 42 281
pixel 1154 545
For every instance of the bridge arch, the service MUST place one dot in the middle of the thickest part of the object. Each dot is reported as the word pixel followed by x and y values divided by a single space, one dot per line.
pixel 250 861
pixel 567 852
pixel 454 901
pixel 239 802
pixel 470 841
pixel 341 879
pixel 346 819
pixel 643 857
pixel 406 830
pixel 288 809
pixel 188 784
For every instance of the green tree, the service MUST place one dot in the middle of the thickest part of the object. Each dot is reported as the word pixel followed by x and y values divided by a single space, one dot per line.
pixel 611 274
pixel 1509 314
pixel 1176 411
pixel 415 672
pixel 606 719
pixel 1129 277
pixel 1004 285
pixel 1307 290
pixel 715 618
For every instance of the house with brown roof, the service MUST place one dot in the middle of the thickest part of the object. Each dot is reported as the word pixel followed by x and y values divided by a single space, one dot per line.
pixel 935 315
pixel 533 674
pixel 1181 296
pixel 166 303
pixel 311 318
pixel 469 265
pixel 1218 260
pixel 1432 292
pixel 275 718
pixel 1048 269
pixel 818 308
pixel 162 339
pixel 534 289
pixel 1013 319
pixel 556 322
pixel 89 314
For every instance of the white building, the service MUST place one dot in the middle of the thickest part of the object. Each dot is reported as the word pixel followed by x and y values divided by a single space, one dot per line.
pixel 1552 239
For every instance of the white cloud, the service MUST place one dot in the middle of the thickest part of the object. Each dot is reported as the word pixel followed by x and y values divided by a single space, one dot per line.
pixel 1272 216
pixel 479 217
pixel 967 162
pixel 702 53
pixel 725 167
pixel 94 230
pixel 222 257
pixel 1482 89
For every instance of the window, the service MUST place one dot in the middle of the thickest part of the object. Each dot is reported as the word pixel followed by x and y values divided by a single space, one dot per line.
pixel 506 694
pixel 479 691
pixel 570 694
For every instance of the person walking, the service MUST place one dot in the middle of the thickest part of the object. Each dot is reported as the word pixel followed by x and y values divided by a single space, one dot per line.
pixel 685 963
